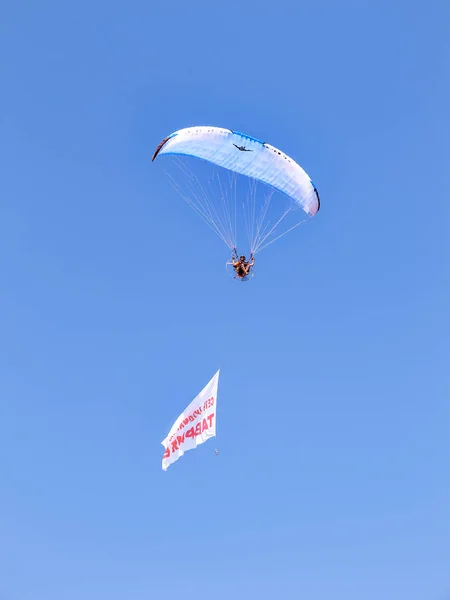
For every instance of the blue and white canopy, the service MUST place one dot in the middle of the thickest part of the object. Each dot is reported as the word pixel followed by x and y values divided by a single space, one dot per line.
pixel 227 209
pixel 247 156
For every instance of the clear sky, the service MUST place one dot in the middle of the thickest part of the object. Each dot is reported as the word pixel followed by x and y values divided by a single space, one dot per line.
pixel 332 479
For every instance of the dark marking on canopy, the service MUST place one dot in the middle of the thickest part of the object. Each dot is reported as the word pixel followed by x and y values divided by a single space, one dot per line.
pixel 318 199
pixel 159 147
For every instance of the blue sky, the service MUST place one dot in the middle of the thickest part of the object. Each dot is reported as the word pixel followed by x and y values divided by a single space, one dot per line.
pixel 332 479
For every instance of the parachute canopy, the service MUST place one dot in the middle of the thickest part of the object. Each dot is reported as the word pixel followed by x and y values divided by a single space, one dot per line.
pixel 247 156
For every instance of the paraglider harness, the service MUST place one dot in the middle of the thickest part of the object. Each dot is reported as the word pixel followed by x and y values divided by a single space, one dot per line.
pixel 242 268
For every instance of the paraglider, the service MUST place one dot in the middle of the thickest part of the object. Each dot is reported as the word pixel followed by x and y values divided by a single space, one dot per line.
pixel 241 265
pixel 223 209
pixel 219 203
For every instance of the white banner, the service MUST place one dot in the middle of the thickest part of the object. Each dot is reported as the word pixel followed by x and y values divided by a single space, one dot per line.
pixel 195 425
